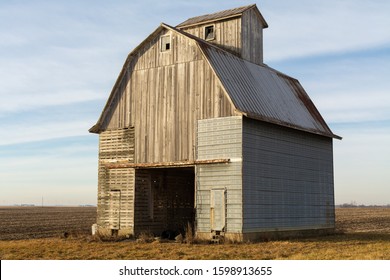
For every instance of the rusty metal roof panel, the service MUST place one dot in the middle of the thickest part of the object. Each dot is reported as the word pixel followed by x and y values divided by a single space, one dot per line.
pixel 219 15
pixel 266 94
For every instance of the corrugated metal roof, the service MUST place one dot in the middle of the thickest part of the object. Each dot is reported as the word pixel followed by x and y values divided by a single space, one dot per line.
pixel 219 15
pixel 266 94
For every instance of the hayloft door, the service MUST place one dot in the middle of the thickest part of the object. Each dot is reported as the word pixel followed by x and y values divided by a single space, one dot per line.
pixel 115 202
pixel 217 209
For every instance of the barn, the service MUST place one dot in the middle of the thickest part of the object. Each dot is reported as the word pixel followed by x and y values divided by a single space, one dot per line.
pixel 198 130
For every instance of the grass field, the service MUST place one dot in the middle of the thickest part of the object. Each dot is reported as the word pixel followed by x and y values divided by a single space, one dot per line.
pixel 35 233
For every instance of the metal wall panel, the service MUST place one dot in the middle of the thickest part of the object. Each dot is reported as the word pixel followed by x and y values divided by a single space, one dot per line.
pixel 219 138
pixel 287 179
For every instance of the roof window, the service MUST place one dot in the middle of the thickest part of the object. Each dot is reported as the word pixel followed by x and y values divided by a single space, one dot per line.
pixel 165 43
pixel 209 32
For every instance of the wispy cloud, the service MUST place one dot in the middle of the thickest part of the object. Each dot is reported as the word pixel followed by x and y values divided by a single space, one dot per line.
pixel 49 123
pixel 346 88
pixel 306 27
pixel 52 57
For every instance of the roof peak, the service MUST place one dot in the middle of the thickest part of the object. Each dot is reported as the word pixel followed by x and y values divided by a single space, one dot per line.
pixel 217 15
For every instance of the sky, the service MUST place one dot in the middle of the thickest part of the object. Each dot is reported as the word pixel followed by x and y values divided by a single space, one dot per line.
pixel 59 61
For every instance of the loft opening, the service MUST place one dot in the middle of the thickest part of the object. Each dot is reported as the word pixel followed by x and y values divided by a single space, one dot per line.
pixel 165 43
pixel 209 33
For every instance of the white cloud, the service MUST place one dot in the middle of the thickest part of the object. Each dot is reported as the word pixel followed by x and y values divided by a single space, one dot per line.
pixel 346 88
pixel 60 76
pixel 32 100
pixel 50 57
pixel 42 131
pixel 355 106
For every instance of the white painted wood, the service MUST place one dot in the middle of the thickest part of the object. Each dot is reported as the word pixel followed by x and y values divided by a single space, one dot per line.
pixel 217 209
pixel 115 209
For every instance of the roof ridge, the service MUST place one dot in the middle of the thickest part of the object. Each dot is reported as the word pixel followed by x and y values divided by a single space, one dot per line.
pixel 215 15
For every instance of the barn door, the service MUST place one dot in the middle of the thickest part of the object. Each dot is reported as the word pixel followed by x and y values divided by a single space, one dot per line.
pixel 217 209
pixel 115 205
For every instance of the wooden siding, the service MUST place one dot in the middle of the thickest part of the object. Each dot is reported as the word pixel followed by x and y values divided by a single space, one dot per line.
pixel 116 145
pixel 165 94
pixel 164 199
pixel 227 34
pixel 219 138
pixel 287 179
pixel 242 36
pixel 252 37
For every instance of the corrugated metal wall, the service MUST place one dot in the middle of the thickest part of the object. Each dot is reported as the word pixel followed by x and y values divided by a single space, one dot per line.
pixel 287 179
pixel 219 138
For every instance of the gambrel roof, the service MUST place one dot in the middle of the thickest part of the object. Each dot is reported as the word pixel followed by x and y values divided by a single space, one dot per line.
pixel 256 91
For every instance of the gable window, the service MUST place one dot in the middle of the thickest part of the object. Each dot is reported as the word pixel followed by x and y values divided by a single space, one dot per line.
pixel 165 43
pixel 209 33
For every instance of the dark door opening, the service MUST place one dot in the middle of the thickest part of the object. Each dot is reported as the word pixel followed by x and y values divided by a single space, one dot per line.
pixel 164 200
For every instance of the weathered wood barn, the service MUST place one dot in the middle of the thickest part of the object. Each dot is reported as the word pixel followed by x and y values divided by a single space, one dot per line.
pixel 199 130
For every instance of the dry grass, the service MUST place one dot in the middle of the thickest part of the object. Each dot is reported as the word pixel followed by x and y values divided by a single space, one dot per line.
pixel 349 246
pixel 365 235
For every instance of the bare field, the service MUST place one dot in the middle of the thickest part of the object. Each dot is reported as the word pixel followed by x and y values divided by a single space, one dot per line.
pixel 362 233
pixel 365 219
pixel 39 222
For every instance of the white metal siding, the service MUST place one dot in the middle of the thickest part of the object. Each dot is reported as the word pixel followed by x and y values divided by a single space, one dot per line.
pixel 287 179
pixel 219 138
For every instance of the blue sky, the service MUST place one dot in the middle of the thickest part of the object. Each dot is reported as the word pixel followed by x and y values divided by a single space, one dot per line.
pixel 60 59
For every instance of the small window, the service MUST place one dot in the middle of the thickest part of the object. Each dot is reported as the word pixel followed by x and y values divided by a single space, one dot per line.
pixel 209 32
pixel 165 43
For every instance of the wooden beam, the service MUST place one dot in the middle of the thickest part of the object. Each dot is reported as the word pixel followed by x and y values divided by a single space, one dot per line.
pixel 126 164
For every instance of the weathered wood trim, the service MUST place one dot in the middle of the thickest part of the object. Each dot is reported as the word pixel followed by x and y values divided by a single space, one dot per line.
pixel 126 164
